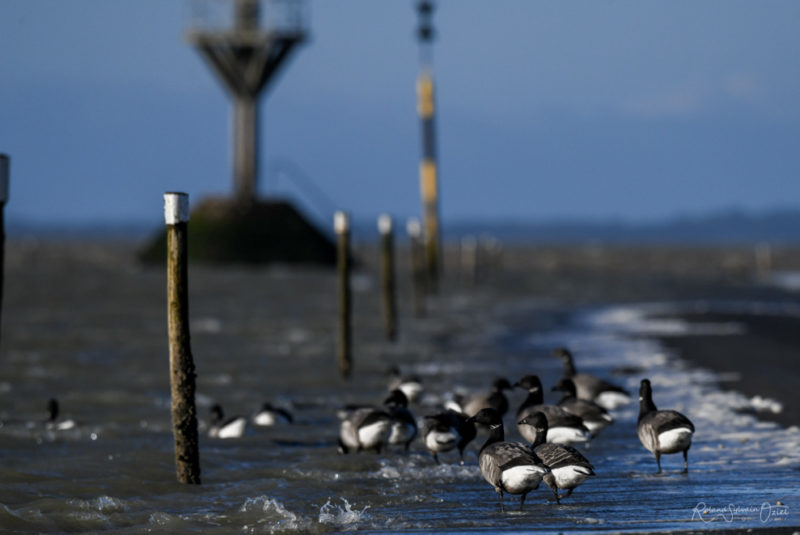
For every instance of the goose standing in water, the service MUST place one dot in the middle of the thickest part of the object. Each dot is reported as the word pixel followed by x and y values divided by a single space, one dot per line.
pixel 568 467
pixel 563 427
pixel 411 385
pixel 270 415
pixel 495 399
pixel 52 418
pixel 446 431
pixel 221 427
pixel 364 428
pixel 594 417
pixel 607 395
pixel 404 426
pixel 507 466
pixel 663 431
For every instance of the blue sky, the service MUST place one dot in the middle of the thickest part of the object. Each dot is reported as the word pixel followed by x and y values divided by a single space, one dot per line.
pixel 633 110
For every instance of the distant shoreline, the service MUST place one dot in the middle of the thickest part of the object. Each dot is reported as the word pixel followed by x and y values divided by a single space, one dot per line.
pixel 722 227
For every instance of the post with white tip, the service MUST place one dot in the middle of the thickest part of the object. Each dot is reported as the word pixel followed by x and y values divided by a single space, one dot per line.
pixel 4 166
pixel 387 275
pixel 341 225
pixel 418 267
pixel 181 363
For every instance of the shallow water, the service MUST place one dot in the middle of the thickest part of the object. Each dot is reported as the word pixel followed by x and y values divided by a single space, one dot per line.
pixel 89 327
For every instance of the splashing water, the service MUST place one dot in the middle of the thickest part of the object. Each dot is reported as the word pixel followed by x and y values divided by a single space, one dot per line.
pixel 341 516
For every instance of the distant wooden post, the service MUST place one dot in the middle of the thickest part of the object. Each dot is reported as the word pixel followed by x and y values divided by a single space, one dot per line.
pixel 4 166
pixel 387 275
pixel 341 226
pixel 181 364
pixel 418 265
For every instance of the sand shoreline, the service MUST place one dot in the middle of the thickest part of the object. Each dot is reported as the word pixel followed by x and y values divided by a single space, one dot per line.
pixel 762 360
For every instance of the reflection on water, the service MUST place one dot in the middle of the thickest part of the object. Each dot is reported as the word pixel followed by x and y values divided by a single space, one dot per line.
pixel 90 330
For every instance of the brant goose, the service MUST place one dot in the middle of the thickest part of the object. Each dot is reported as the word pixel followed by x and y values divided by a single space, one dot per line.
pixel 364 428
pixel 607 395
pixel 568 467
pixel 270 415
pixel 495 399
pixel 594 417
pixel 404 426
pixel 507 466
pixel 52 418
pixel 232 427
pixel 563 427
pixel 447 430
pixel 663 431
pixel 411 385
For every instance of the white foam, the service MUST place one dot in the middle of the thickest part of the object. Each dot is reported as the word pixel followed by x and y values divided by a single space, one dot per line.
pixel 787 280
pixel 638 319
pixel 263 514
pixel 602 339
pixel 339 516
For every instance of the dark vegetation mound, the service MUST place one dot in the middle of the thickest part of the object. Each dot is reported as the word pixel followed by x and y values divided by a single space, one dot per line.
pixel 223 232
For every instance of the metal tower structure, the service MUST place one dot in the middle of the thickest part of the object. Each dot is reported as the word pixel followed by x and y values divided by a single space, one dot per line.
pixel 246 57
pixel 429 187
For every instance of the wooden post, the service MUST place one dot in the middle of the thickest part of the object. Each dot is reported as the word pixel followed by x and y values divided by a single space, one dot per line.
pixel 341 226
pixel 387 275
pixel 418 267
pixel 181 364
pixel 4 166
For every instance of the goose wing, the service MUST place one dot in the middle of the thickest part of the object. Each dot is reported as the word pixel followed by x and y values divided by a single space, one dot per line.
pixel 500 456
pixel 558 455
pixel 556 416
pixel 588 410
pixel 589 386
pixel 662 421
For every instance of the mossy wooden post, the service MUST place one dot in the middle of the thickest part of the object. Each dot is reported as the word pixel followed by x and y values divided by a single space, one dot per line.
pixel 4 165
pixel 387 275
pixel 181 364
pixel 341 226
pixel 418 266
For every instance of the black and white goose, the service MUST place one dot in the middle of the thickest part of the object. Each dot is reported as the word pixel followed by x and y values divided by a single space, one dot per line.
pixel 494 398
pixel 404 426
pixel 568 467
pixel 270 415
pixel 410 384
pixel 446 431
pixel 594 417
pixel 222 427
pixel 53 422
pixel 607 395
pixel 364 428
pixel 563 427
pixel 507 466
pixel 663 431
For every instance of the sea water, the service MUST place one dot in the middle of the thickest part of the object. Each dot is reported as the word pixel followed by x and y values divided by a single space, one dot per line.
pixel 95 339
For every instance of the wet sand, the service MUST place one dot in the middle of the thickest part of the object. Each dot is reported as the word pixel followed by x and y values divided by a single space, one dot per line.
pixel 764 359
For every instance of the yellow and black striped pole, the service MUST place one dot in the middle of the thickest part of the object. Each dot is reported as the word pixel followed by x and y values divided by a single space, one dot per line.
pixel 428 176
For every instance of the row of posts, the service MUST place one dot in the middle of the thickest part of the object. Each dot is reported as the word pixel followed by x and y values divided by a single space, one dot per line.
pixel 181 362
pixel 341 225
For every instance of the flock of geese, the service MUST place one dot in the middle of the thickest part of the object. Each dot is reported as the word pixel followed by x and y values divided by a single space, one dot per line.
pixel 509 467
pixel 550 430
